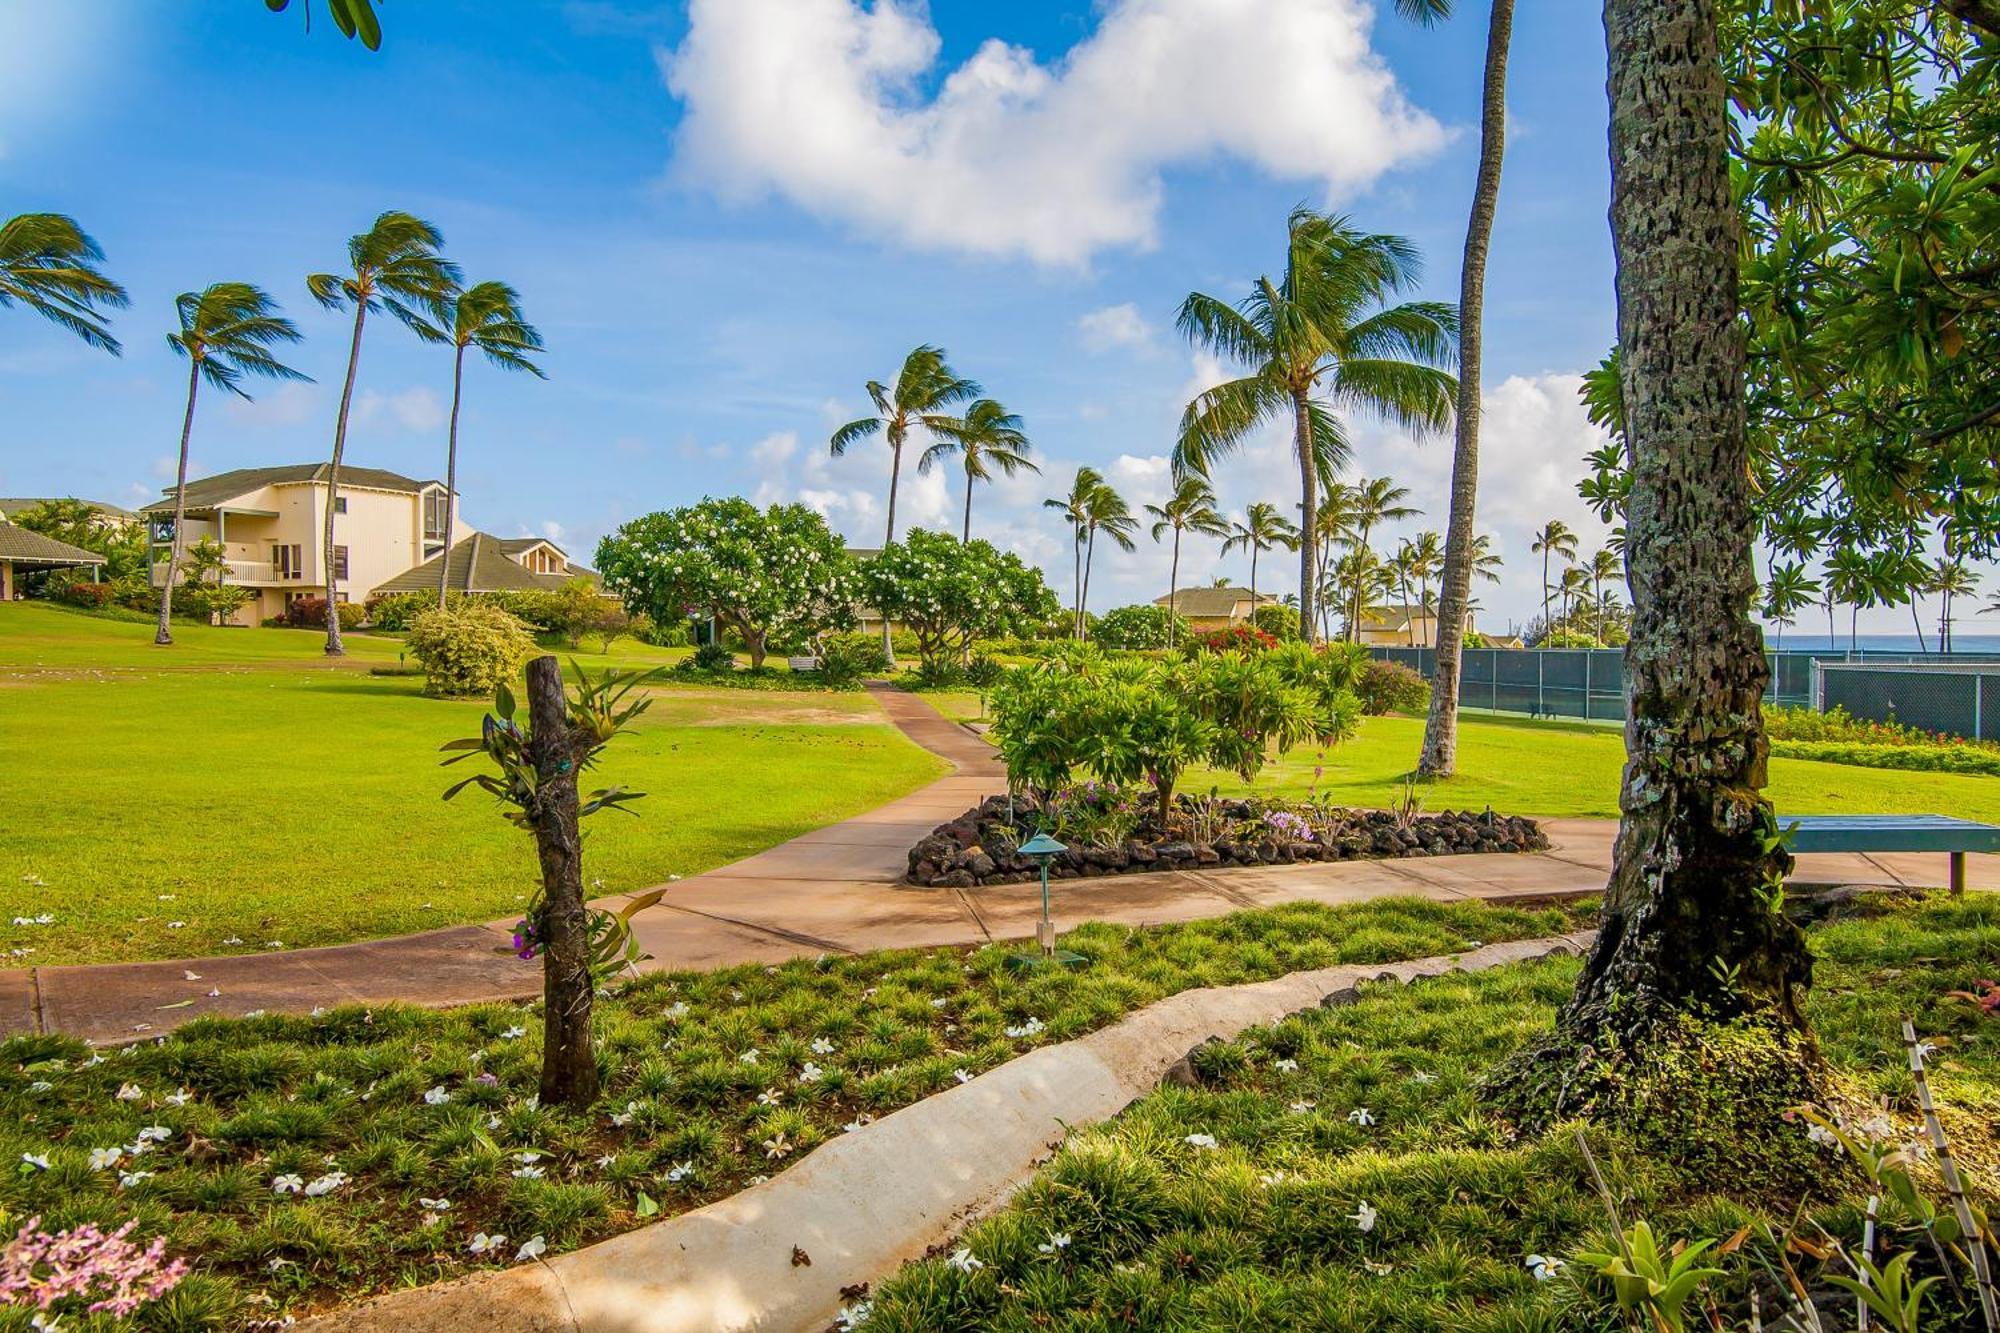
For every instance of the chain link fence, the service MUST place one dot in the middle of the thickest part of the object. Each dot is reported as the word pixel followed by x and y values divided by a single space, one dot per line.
pixel 1590 683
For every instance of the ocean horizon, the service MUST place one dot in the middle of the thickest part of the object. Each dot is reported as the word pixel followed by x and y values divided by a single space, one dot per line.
pixel 1795 641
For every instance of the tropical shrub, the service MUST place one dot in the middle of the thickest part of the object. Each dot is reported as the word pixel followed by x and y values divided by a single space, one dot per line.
pixel 1837 724
pixel 1391 687
pixel 713 656
pixel 395 611
pixel 1910 758
pixel 948 593
pixel 205 601
pixel 310 613
pixel 95 596
pixel 469 647
pixel 937 673
pixel 1280 622
pixel 847 659
pixel 1235 639
pixel 675 633
pixel 770 575
pixel 982 672
pixel 1144 626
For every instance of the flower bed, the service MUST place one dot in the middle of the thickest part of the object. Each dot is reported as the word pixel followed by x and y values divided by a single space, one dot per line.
pixel 1108 834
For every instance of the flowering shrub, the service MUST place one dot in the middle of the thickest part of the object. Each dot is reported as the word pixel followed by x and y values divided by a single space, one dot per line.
pixel 469 648
pixel 1837 724
pixel 1139 627
pixel 1391 687
pixel 771 575
pixel 1237 638
pixel 947 592
pixel 101 1272
pixel 95 596
pixel 397 610
pixel 310 613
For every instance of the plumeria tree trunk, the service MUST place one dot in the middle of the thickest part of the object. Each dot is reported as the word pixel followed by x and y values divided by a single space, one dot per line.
pixel 165 634
pixel 334 647
pixel 569 1066
pixel 1309 501
pixel 1439 758
pixel 451 476
pixel 1693 921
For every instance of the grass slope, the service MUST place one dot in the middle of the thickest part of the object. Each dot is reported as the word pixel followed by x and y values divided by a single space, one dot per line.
pixel 259 800
pixel 712 1081
pixel 1375 1106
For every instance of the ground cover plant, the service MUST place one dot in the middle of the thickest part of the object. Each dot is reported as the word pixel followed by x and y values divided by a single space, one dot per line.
pixel 1838 737
pixel 1340 1170
pixel 298 1160
pixel 170 806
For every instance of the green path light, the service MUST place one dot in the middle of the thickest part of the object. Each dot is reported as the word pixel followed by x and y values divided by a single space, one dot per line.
pixel 1043 848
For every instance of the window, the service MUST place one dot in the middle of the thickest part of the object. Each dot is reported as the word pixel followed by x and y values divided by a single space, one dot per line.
pixel 163 529
pixel 436 505
pixel 287 561
pixel 340 562
pixel 339 504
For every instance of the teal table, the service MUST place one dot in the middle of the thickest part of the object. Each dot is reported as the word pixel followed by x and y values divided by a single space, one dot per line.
pixel 1894 833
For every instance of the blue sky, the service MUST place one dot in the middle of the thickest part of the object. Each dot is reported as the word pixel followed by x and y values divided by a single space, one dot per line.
pixel 726 218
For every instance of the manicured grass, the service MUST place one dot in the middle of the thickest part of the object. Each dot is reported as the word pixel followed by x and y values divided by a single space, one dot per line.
pixel 1523 766
pixel 1376 1106
pixel 280 803
pixel 713 1080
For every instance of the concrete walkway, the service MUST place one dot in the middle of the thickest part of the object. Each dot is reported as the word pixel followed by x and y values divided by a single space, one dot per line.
pixel 835 890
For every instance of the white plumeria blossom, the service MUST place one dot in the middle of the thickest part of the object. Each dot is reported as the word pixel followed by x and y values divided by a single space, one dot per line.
pixel 103 1159
pixel 624 1117
pixel 437 1096
pixel 325 1184
pixel 528 1173
pixel 179 1097
pixel 39 1161
pixel 1544 1266
pixel 961 1076
pixel 1361 1116
pixel 748 1057
pixel 435 1205
pixel 811 1073
pixel 859 1123
pixel 41 1085
pixel 514 1034
pixel 481 1243
pixel 287 1184
pixel 962 1259
pixel 680 1171
pixel 1200 1140
pixel 535 1248
pixel 190 976
pixel 155 1134
pixel 128 1179
pixel 1364 1216
pixel 130 1092
pixel 853 1316
pixel 1285 1066
pixel 528 1155
pixel 770 1097
pixel 677 1010
pixel 1058 1240
pixel 821 1046
pixel 1027 1029
pixel 44 919
pixel 1301 1107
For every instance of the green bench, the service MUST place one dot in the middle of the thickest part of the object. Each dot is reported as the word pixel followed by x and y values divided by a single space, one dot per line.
pixel 1894 833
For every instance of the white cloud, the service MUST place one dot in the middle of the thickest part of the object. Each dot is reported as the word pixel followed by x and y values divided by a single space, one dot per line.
pixel 820 101
pixel 415 409
pixel 1114 326
pixel 286 405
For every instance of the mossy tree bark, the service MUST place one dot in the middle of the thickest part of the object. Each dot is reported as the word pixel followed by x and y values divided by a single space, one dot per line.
pixel 569 1066
pixel 1691 923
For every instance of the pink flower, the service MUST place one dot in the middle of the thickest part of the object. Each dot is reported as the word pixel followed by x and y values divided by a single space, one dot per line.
pixel 108 1271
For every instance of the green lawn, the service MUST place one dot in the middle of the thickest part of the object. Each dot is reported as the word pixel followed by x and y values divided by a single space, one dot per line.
pixel 272 800
pixel 1341 1170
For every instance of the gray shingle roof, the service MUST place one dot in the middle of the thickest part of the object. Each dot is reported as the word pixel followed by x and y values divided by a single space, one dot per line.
pixel 481 564
pixel 22 546
pixel 11 505
pixel 1207 602
pixel 223 487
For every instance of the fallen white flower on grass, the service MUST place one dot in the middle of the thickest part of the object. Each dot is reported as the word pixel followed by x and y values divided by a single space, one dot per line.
pixel 1200 1140
pixel 962 1259
pixel 1544 1266
pixel 155 1134
pixel 482 1243
pixel 1423 1076
pixel 190 976
pixel 747 1058
pixel 821 1046
pixel 529 1155
pixel 677 1010
pixel 528 1173
pixel 437 1096
pixel 624 1117
pixel 1361 1116
pixel 1271 1178
pixel 128 1179
pixel 1028 1029
pixel 179 1097
pixel 534 1249
pixel 435 1205
pixel 325 1184
pixel 45 919
pixel 102 1159
pixel 680 1171
pixel 859 1123
pixel 274 944
pixel 1364 1216
pixel 1300 1108
pixel 961 1076
pixel 1058 1240
pixel 1379 1270
pixel 234 939
pixel 130 1092
pixel 514 1034
pixel 287 1184
pixel 176 925
pixel 41 1085
pixel 770 1097
pixel 39 1161
pixel 1285 1066
pixel 777 1146
pixel 607 1160
pixel 939 1004
pixel 811 1073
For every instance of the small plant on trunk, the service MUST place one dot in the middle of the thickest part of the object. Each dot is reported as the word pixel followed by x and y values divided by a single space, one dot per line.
pixel 537 784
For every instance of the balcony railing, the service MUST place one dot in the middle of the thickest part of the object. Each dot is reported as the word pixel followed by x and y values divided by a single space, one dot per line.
pixel 250 573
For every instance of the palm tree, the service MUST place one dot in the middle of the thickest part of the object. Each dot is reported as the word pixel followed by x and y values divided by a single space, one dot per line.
pixel 1603 565
pixel 1555 538
pixel 1788 592
pixel 1318 340
pixel 1332 526
pixel 1439 756
pixel 1105 511
pixel 1373 501
pixel 1485 562
pixel 1404 565
pixel 485 316
pixel 1364 581
pixel 227 332
pixel 1262 528
pixel 1426 561
pixel 49 265
pixel 394 266
pixel 924 388
pixel 1575 580
pixel 1191 508
pixel 1851 579
pixel 1075 509
pixel 1950 580
pixel 986 437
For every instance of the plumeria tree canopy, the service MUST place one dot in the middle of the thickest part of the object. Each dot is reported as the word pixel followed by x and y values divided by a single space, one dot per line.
pixel 950 592
pixel 769 574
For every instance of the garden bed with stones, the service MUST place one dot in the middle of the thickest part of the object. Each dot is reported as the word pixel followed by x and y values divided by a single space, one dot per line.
pixel 982 845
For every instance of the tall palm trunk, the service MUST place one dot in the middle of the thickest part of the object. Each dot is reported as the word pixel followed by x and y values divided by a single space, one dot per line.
pixel 1076 581
pixel 334 647
pixel 1083 594
pixel 1439 758
pixel 1173 585
pixel 1309 496
pixel 1688 926
pixel 1253 583
pixel 966 535
pixel 889 538
pixel 165 634
pixel 1923 644
pixel 451 477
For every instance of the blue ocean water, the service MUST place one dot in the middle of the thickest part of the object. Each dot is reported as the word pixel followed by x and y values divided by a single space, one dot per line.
pixel 1961 642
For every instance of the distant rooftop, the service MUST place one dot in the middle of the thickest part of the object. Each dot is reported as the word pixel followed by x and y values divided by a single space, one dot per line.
pixel 207 492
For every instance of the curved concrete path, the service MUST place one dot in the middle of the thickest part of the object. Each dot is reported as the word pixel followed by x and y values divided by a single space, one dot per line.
pixel 837 889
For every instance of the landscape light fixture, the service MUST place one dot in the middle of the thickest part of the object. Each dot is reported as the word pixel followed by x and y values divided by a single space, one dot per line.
pixel 1043 848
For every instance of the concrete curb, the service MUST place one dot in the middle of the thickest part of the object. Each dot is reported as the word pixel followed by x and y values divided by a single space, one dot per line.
pixel 862 1205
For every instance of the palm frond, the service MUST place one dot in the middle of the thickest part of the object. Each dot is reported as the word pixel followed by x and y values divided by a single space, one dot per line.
pixel 859 429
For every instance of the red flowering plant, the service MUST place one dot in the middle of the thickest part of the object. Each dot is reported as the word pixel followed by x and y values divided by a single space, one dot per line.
pixel 1237 638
